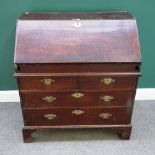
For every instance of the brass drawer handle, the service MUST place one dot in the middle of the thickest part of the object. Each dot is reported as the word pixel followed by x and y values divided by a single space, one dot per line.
pixel 107 81
pixel 107 98
pixel 47 81
pixel 77 112
pixel 50 116
pixel 105 115
pixel 77 95
pixel 49 99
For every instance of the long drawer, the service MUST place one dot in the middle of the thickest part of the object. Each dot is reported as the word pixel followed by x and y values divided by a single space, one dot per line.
pixel 77 116
pixel 36 99
pixel 85 81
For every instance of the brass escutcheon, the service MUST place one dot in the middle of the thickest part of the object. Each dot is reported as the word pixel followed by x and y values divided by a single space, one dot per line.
pixel 47 81
pixel 77 112
pixel 107 81
pixel 77 23
pixel 105 115
pixel 77 95
pixel 107 98
pixel 49 99
pixel 49 116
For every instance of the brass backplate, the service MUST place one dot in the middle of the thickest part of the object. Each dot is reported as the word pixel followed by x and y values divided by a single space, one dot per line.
pixel 50 116
pixel 107 98
pixel 47 81
pixel 77 112
pixel 107 81
pixel 77 95
pixel 105 115
pixel 49 99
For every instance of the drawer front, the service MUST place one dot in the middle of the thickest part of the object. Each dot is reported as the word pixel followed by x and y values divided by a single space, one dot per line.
pixel 47 83
pixel 108 82
pixel 80 116
pixel 87 82
pixel 77 68
pixel 77 98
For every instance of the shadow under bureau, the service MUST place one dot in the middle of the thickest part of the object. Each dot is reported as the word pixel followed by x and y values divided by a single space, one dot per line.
pixel 77 70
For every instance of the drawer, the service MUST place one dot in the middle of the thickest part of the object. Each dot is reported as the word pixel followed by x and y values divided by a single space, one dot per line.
pixel 47 83
pixel 77 98
pixel 77 68
pixel 83 81
pixel 108 82
pixel 80 116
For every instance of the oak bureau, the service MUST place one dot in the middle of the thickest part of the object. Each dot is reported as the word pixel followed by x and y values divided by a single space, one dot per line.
pixel 77 70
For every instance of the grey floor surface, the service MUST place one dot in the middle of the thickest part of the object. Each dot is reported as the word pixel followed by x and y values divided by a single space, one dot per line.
pixel 79 141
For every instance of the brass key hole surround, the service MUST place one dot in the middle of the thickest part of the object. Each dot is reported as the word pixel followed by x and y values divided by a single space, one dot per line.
pixel 48 81
pixel 49 99
pixel 105 115
pixel 107 81
pixel 50 116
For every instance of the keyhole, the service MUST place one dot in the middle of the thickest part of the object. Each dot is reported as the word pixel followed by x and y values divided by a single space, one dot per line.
pixel 77 25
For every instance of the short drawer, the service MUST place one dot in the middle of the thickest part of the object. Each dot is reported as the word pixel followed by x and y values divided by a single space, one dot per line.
pixel 77 98
pixel 47 83
pixel 108 82
pixel 77 116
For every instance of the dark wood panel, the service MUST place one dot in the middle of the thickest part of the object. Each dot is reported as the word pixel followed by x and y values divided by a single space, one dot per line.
pixel 65 116
pixel 77 68
pixel 67 99
pixel 74 40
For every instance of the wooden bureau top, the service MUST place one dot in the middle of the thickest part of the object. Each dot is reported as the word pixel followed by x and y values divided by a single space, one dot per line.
pixel 77 38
